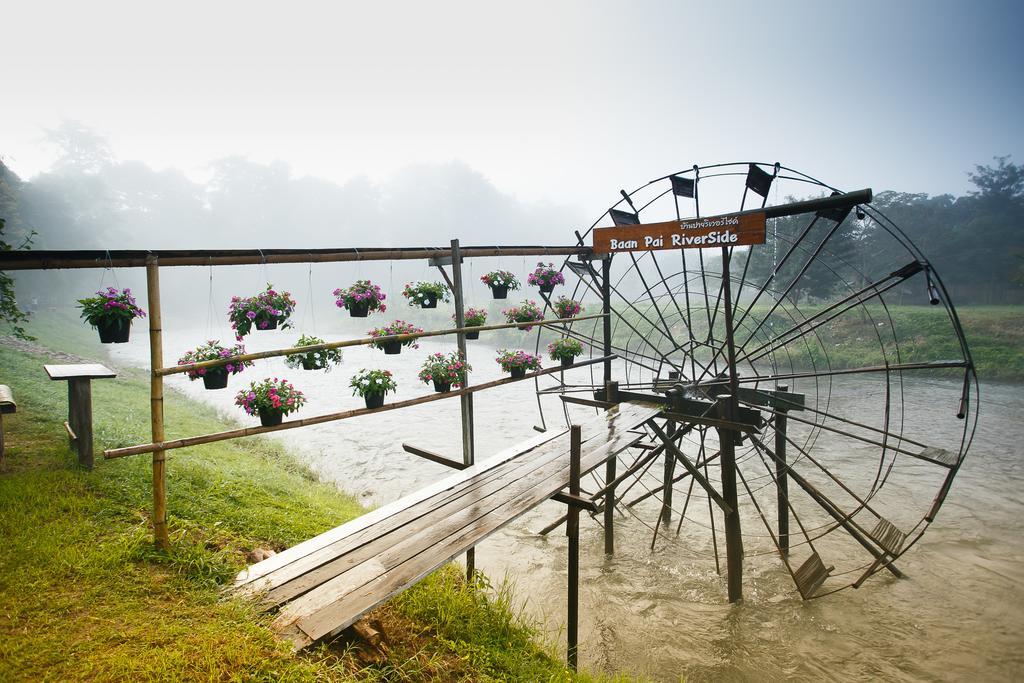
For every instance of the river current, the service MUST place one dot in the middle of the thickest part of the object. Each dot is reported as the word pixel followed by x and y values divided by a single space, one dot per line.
pixel 957 615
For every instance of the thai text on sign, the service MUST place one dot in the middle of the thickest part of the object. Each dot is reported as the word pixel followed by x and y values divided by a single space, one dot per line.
pixel 730 230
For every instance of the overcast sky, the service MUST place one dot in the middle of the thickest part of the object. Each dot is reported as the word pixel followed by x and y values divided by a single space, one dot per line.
pixel 560 101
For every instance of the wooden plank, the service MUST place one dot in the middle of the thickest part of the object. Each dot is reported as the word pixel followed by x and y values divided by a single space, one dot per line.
pixel 300 550
pixel 344 598
pixel 809 577
pixel 79 371
pixel 416 520
pixel 414 510
pixel 888 536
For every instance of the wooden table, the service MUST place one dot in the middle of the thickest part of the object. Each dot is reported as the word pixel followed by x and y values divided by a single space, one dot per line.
pixel 79 425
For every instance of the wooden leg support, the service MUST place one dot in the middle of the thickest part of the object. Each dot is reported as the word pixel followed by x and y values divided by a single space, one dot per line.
pixel 572 529
pixel 80 419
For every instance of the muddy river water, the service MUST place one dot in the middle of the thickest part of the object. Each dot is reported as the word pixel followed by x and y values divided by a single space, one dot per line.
pixel 958 614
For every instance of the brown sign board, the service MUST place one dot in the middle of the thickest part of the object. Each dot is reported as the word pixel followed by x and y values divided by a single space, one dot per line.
pixel 729 230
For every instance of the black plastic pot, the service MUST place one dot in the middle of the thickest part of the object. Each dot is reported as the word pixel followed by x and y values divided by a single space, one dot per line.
pixel 473 335
pixel 308 364
pixel 114 331
pixel 359 309
pixel 393 348
pixel 547 289
pixel 374 400
pixel 442 387
pixel 567 362
pixel 269 418
pixel 271 325
pixel 429 301
pixel 499 291
pixel 217 378
pixel 517 373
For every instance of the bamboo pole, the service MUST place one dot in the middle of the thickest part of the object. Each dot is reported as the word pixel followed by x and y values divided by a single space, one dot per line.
pixel 331 417
pixel 120 258
pixel 176 369
pixel 156 404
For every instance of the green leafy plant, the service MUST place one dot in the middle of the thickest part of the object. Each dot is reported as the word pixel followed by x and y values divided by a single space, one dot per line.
pixel 212 350
pixel 372 382
pixel 567 308
pixel 510 360
pixel 270 395
pixel 110 305
pixel 363 292
pixel 319 359
pixel 526 312
pixel 501 278
pixel 474 317
pixel 421 291
pixel 445 369
pixel 564 349
pixel 266 310
pixel 397 327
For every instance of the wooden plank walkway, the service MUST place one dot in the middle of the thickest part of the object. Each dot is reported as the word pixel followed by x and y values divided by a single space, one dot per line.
pixel 326 583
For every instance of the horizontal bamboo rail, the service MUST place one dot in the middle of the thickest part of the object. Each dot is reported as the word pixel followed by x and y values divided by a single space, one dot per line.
pixel 123 258
pixel 160 372
pixel 331 417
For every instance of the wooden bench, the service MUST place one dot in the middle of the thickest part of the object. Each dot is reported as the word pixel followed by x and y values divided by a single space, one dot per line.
pixel 79 424
pixel 326 583
pixel 7 406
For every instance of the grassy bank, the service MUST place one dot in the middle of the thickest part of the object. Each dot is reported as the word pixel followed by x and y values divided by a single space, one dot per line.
pixel 84 596
pixel 866 337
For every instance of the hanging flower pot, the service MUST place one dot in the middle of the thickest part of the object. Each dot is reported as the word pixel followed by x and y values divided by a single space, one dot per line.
pixel 444 371
pixel 546 277
pixel 360 299
pixel 266 311
pixel 565 350
pixel 425 294
pixel 114 331
pixel 394 346
pixel 270 417
pixel 271 399
pixel 373 385
pixel 517 362
pixel 474 317
pixel 566 308
pixel 320 359
pixel 526 312
pixel 500 282
pixel 111 312
pixel 217 376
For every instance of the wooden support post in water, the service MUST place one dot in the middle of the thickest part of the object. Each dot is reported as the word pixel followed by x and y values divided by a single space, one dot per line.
pixel 669 480
pixel 156 404
pixel 572 530
pixel 466 400
pixel 80 419
pixel 781 475
pixel 727 437
pixel 611 390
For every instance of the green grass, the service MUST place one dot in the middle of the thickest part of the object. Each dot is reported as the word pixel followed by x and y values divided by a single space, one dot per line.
pixel 85 596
